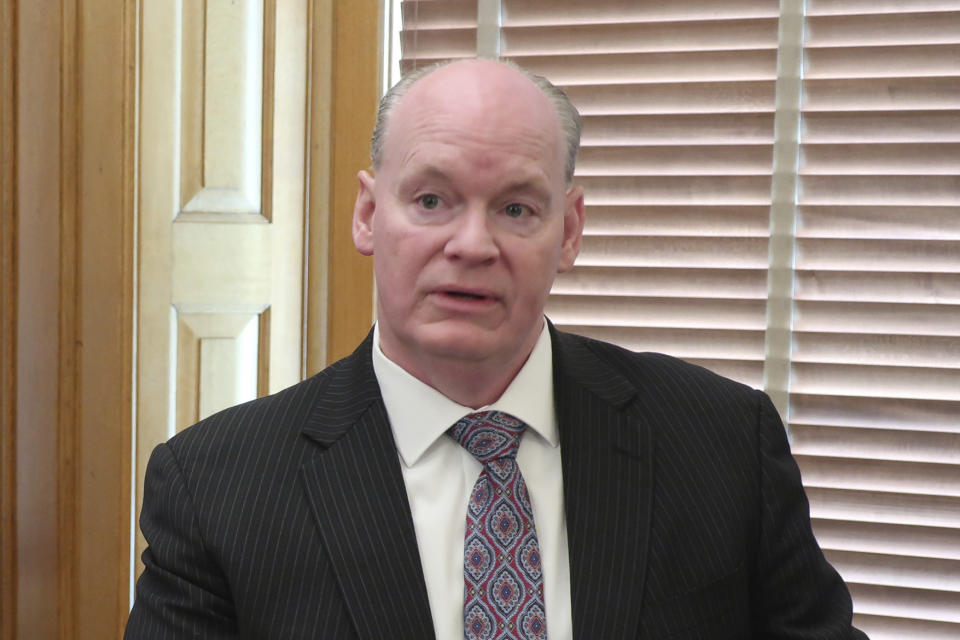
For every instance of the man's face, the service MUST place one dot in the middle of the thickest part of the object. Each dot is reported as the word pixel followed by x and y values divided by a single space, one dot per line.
pixel 468 219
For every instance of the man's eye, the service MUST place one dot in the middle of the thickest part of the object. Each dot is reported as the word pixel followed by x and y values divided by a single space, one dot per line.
pixel 429 201
pixel 516 210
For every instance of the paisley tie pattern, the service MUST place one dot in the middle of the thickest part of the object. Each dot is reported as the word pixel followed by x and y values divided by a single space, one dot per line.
pixel 503 581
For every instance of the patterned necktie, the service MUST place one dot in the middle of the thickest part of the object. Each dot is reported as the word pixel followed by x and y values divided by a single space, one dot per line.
pixel 503 581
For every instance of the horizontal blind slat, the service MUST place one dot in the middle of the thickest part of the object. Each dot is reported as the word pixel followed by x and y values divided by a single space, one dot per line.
pixel 884 507
pixel 897 287
pixel 681 190
pixel 901 414
pixel 879 627
pixel 876 444
pixel 935 256
pixel 856 7
pixel 881 222
pixel 681 343
pixel 876 318
pixel 883 94
pixel 891 126
pixel 560 12
pixel 703 313
pixel 882 62
pixel 624 37
pixel 722 253
pixel 662 282
pixel 623 68
pixel 909 190
pixel 871 537
pixel 876 381
pixel 680 220
pixel 748 96
pixel 900 571
pixel 679 129
pixel 853 347
pixel 881 159
pixel 925 479
pixel 717 160
pixel 942 606
pixel 884 28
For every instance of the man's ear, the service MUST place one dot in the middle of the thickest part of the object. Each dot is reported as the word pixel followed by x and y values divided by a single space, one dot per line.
pixel 573 219
pixel 363 214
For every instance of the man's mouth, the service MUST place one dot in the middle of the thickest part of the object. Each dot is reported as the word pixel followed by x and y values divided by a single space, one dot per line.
pixel 466 296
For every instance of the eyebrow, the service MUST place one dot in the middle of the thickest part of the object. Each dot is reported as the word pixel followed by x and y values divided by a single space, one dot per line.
pixel 412 181
pixel 534 185
pixel 430 171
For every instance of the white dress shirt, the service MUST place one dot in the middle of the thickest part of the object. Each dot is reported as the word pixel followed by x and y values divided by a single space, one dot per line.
pixel 439 475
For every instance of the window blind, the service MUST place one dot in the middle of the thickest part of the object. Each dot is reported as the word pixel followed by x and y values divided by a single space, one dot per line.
pixel 679 102
pixel 875 367
pixel 678 107
pixel 435 30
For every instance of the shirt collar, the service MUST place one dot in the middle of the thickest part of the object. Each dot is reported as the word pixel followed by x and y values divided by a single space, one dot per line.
pixel 419 414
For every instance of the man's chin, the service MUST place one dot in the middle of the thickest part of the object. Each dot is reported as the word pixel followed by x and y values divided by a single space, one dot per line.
pixel 466 342
pixel 465 348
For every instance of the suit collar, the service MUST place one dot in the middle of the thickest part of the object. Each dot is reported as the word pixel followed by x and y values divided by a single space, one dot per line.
pixel 573 356
pixel 348 388
pixel 607 458
pixel 356 492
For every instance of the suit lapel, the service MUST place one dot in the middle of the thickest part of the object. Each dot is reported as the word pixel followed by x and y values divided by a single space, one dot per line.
pixel 607 458
pixel 356 491
pixel 357 494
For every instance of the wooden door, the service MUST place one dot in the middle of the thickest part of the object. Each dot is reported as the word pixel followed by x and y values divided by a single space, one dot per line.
pixel 222 209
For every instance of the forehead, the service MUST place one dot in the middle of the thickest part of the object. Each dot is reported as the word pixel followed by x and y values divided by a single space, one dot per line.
pixel 478 108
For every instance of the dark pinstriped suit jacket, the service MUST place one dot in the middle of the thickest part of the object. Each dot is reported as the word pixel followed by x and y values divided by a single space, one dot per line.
pixel 287 517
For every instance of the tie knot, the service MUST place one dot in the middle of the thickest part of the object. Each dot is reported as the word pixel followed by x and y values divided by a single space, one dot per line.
pixel 489 435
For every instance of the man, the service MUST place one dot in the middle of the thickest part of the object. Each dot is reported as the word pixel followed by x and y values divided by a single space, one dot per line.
pixel 665 500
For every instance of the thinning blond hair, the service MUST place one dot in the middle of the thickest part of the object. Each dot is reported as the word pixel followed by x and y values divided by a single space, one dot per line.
pixel 569 117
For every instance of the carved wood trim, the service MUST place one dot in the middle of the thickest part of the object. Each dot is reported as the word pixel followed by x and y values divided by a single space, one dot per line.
pixel 268 102
pixel 8 320
pixel 316 285
pixel 339 321
pixel 68 393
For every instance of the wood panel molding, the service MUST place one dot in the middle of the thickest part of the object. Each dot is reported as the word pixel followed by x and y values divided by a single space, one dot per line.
pixel 108 33
pixel 38 191
pixel 74 134
pixel 356 82
pixel 68 391
pixel 227 81
pixel 344 96
pixel 106 136
pixel 218 362
pixel 8 320
pixel 319 106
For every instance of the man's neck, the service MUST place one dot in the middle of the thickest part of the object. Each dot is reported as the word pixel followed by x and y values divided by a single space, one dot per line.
pixel 470 386
pixel 470 383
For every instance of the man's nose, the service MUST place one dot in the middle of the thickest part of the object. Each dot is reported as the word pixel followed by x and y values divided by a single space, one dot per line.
pixel 472 237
